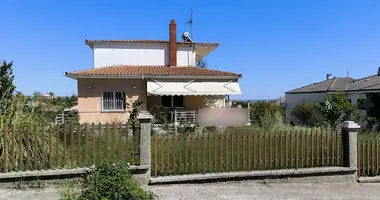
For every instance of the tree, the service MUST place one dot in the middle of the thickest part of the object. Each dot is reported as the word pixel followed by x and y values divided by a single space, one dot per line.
pixel 202 63
pixel 7 87
pixel 337 108
pixel 304 113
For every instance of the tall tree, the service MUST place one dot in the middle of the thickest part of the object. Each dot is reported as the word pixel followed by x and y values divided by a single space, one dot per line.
pixel 7 87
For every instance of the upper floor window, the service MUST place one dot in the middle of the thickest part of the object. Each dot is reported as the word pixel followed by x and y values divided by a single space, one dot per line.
pixel 113 101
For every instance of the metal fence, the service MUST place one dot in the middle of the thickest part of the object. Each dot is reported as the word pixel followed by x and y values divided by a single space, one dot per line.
pixel 244 151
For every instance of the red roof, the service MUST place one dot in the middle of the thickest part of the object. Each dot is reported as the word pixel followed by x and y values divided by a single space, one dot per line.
pixel 127 70
pixel 91 42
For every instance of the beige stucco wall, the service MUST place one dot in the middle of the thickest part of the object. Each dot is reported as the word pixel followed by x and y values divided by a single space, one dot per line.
pixel 89 102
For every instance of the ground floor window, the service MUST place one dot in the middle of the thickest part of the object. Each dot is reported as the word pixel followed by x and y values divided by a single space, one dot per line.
pixel 172 101
pixel 113 101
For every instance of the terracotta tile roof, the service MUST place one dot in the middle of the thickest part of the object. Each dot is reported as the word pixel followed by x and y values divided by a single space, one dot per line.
pixel 91 42
pixel 127 70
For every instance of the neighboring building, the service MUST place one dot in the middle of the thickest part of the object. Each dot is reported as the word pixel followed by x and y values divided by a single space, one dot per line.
pixel 356 89
pixel 159 73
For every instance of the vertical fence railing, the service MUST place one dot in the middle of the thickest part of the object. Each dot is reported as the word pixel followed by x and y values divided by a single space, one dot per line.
pixel 368 155
pixel 244 151
pixel 34 147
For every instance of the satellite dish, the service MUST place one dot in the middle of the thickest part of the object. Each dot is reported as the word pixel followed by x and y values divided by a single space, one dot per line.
pixel 186 37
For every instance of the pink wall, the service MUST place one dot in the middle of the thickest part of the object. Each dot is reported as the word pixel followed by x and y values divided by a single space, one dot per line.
pixel 89 102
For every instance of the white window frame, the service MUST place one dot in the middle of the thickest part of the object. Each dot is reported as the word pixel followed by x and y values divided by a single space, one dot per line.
pixel 172 102
pixel 114 102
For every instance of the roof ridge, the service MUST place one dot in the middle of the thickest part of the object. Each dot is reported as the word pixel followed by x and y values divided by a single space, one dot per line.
pixel 332 84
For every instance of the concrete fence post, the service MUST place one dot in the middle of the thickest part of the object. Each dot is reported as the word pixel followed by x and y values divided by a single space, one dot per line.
pixel 145 119
pixel 350 141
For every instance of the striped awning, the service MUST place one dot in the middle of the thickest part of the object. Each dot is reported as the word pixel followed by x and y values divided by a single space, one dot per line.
pixel 155 87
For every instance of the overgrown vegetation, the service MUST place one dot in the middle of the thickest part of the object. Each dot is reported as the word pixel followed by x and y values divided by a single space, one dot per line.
pixel 305 114
pixel 20 115
pixel 267 115
pixel 109 180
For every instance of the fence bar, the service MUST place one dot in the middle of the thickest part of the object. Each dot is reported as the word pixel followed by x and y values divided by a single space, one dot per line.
pixel 108 141
pixel 35 148
pixel 286 149
pixel 180 139
pixel 215 152
pixel 373 157
pixel 204 153
pixel 198 151
pixel 337 146
pixel 79 145
pixel 42 146
pixel 322 148
pixel 12 149
pixel 100 150
pixel 120 131
pixel 276 149
pixel 192 141
pixel 5 148
pixel 20 164
pixel 359 154
pixel 155 155
pixel 221 153
pixel 237 151
pixel 162 153
pixel 226 140
pixel 377 156
pixel 302 149
pixel 57 147
pixel 85 144
pixel 232 151
pixel 50 149
pixel 72 145
pixel 113 143
pixel 186 150
pixel 242 152
pixel 249 150
pixel 28 148
pixel 174 151
pixel 265 149
pixel 307 146
pixel 368 168
pixel 316 147
pixel 253 149
pixel 312 147
pixel 126 144
pixel 363 156
pixel 167 152
pixel 259 149
pixel 64 146
pixel 270 149
pixel 209 152
pixel 93 143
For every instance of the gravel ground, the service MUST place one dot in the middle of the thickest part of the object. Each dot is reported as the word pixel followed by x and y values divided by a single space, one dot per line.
pixel 232 190
pixel 249 190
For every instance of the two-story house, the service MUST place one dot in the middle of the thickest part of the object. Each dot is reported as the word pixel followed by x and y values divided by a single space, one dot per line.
pixel 159 73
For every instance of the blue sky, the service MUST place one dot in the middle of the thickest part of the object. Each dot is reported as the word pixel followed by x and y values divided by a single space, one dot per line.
pixel 276 45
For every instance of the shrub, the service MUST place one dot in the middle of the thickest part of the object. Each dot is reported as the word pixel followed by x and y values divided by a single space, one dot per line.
pixel 266 115
pixel 113 181
pixel 337 108
pixel 305 114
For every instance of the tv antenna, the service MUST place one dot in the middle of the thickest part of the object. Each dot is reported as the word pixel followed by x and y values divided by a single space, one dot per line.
pixel 191 23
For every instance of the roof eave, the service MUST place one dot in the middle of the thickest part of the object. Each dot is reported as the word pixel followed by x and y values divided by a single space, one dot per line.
pixel 74 76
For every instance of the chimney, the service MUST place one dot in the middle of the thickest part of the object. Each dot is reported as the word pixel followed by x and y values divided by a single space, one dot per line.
pixel 328 76
pixel 172 43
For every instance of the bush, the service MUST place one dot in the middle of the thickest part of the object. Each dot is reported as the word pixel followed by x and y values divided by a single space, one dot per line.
pixel 305 114
pixel 266 115
pixel 113 181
